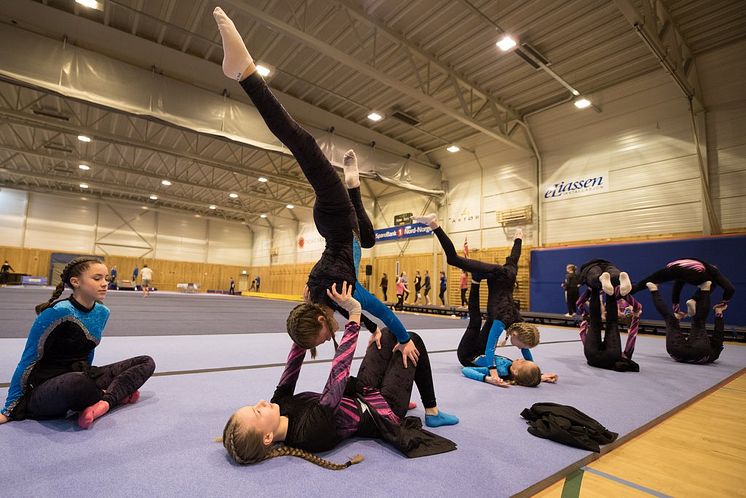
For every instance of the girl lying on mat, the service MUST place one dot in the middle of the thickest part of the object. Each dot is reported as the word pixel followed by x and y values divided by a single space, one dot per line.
pixel 372 405
pixel 502 312
pixel 55 374
pixel 607 352
pixel 337 211
pixel 697 347
pixel 476 351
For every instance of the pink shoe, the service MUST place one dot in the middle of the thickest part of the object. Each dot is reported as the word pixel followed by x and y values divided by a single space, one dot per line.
pixel 132 398
pixel 412 405
pixel 96 410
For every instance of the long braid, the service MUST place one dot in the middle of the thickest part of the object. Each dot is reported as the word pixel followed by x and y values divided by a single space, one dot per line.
pixel 246 447
pixel 310 457
pixel 72 269
pixel 55 295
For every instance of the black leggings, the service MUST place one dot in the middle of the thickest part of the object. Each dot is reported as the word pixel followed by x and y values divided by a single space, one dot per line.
pixel 442 296
pixel 606 352
pixel 382 369
pixel 334 214
pixel 590 275
pixel 571 298
pixel 698 347
pixel 463 297
pixel 474 340
pixel 500 278
pixel 76 391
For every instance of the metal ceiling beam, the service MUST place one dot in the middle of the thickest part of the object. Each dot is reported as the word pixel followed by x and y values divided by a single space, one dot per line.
pixel 97 185
pixel 414 49
pixel 662 37
pixel 371 72
pixel 27 119
pixel 139 173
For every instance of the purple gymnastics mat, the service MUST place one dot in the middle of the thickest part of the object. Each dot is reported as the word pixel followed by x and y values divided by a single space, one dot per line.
pixel 163 445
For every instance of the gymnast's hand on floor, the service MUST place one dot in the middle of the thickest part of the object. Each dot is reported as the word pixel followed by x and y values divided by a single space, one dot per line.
pixel 375 337
pixel 549 377
pixel 408 352
pixel 3 419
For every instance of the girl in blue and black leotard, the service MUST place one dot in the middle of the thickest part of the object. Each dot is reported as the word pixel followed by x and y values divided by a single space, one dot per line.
pixel 55 374
pixel 476 352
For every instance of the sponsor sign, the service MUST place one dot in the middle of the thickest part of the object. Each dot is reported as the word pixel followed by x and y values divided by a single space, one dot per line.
pixel 402 232
pixel 576 186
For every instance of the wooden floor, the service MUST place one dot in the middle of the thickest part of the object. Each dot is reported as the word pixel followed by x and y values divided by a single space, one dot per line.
pixel 699 452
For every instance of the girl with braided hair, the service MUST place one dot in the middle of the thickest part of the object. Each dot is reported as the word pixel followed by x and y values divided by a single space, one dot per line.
pixel 476 351
pixel 337 210
pixel 55 374
pixel 372 405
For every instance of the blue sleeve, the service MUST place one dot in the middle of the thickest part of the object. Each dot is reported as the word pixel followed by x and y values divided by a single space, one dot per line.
pixel 31 354
pixel 475 373
pixel 375 307
pixel 495 332
pixel 527 354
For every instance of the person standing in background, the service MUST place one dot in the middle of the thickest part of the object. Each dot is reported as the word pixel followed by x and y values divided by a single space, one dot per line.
pixel 443 287
pixel 258 281
pixel 147 277
pixel 4 271
pixel 385 286
pixel 135 273
pixel 426 290
pixel 232 289
pixel 464 285
pixel 571 285
pixel 417 286
pixel 405 281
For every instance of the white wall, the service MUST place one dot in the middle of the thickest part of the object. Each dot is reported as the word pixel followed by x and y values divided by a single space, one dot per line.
pixel 504 178
pixel 643 139
pixel 12 217
pixel 67 223
pixel 722 74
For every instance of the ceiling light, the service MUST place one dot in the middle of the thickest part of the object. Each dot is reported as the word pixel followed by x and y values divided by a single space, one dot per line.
pixel 582 103
pixel 290 206
pixel 165 182
pixel 83 185
pixel 144 207
pixel 92 4
pixel 262 215
pixel 233 195
pixel 84 167
pixel 453 148
pixel 84 198
pixel 506 43
pixel 213 206
pixel 153 197
pixel 374 116
pixel 262 70
pixel 84 138
pixel 262 179
pixel 197 216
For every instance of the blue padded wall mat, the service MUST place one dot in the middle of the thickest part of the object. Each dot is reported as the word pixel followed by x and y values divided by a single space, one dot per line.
pixel 639 260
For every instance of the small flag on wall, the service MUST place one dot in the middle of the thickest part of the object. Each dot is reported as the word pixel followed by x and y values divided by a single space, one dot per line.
pixel 466 247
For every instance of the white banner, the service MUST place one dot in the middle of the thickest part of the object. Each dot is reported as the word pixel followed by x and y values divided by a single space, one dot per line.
pixel 576 185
